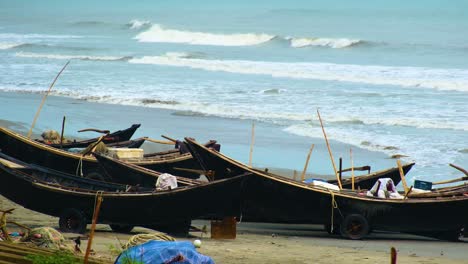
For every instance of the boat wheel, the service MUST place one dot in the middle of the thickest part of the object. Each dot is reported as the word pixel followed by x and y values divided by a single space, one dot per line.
pixel 121 228
pixel 354 226
pixel 72 221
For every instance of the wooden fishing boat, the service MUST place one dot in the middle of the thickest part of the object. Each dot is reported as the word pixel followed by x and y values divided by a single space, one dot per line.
pixel 219 168
pixel 127 173
pixel 117 136
pixel 30 151
pixel 73 198
pixel 271 198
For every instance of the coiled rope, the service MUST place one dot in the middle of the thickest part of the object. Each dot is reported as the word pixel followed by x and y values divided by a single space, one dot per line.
pixel 143 238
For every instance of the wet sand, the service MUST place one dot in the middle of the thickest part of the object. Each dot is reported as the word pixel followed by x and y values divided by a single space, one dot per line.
pixel 274 243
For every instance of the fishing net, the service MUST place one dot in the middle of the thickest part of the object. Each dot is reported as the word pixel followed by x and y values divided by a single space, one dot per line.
pixel 143 238
pixel 46 237
pixel 99 148
pixel 52 137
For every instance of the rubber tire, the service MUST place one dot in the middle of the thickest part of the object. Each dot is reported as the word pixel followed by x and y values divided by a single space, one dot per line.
pixel 121 228
pixel 72 221
pixel 355 227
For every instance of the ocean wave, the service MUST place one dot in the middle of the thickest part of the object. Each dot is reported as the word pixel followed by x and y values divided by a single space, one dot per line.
pixel 69 57
pixel 15 36
pixel 5 46
pixel 188 113
pixel 272 91
pixel 157 33
pixel 337 43
pixel 156 101
pixel 441 79
pixel 465 151
pixel 185 55
pixel 42 46
pixel 88 23
pixel 138 24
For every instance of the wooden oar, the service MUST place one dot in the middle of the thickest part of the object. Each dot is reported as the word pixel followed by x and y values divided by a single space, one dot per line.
pixel 63 130
pixel 43 100
pixel 329 151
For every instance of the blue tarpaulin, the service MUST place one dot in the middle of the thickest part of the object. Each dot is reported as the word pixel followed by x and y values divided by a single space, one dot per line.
pixel 159 252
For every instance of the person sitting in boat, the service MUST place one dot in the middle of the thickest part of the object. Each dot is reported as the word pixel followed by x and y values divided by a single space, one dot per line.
pixel 384 188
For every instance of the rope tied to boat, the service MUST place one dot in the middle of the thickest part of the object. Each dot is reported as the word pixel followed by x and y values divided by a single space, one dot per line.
pixel 334 205
pixel 79 168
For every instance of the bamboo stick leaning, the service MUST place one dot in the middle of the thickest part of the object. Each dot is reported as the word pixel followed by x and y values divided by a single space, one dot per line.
pixel 306 163
pixel 43 100
pixel 329 151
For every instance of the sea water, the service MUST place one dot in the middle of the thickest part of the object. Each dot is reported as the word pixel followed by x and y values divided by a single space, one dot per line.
pixel 390 77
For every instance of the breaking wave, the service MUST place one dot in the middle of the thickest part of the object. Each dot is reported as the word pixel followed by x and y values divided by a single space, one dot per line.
pixel 338 43
pixel 15 36
pixel 138 24
pixel 5 46
pixel 69 57
pixel 442 79
pixel 157 33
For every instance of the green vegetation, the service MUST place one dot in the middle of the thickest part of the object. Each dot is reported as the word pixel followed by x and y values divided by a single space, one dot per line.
pixel 56 258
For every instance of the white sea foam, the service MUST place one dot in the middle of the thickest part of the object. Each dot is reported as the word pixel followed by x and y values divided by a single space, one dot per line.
pixel 421 149
pixel 324 42
pixel 5 46
pixel 157 33
pixel 138 24
pixel 442 79
pixel 15 36
pixel 69 57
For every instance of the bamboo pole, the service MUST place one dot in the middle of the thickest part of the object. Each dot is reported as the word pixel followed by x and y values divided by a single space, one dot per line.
pixel 402 175
pixel 450 181
pixel 329 151
pixel 159 141
pixel 352 168
pixel 169 138
pixel 63 129
pixel 44 98
pixel 93 226
pixel 252 142
pixel 306 163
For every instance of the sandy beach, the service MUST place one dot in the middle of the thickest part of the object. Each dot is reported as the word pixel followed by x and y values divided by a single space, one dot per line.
pixel 274 243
